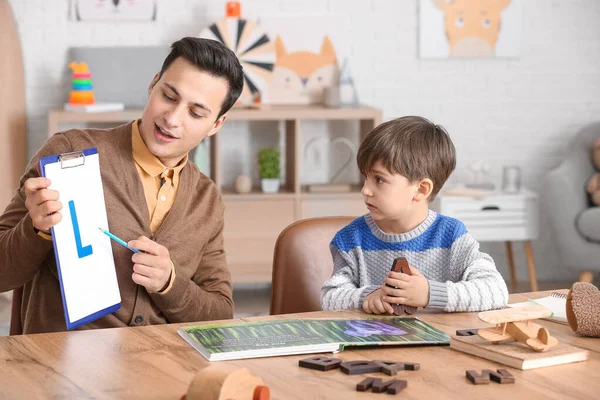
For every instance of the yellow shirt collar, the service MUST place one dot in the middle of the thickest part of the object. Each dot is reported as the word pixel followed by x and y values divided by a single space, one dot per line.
pixel 148 161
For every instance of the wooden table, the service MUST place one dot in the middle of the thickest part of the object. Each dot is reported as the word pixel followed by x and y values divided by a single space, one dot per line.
pixel 154 362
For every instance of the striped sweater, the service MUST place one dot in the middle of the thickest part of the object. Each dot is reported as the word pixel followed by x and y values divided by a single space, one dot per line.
pixel 461 278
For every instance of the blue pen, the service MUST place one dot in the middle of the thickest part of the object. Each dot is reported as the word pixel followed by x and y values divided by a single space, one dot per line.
pixel 116 239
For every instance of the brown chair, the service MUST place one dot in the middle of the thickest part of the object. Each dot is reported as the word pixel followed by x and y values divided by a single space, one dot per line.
pixel 16 328
pixel 301 263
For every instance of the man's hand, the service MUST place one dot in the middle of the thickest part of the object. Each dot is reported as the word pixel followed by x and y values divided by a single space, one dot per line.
pixel 42 203
pixel 152 264
pixel 374 304
pixel 412 290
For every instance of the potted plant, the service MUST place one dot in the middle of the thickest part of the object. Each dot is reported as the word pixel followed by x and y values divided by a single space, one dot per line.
pixel 268 165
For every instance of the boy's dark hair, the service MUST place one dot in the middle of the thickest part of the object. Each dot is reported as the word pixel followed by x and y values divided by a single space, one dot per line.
pixel 410 146
pixel 213 57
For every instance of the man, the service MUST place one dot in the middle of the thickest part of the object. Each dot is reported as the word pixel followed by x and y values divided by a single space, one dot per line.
pixel 152 193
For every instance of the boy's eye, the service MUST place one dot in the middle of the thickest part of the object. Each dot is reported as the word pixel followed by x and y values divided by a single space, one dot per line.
pixel 379 180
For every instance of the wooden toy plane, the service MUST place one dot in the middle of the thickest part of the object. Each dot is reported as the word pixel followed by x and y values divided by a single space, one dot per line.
pixel 513 323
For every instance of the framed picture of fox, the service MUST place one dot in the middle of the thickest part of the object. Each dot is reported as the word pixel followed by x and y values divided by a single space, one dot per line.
pixel 308 53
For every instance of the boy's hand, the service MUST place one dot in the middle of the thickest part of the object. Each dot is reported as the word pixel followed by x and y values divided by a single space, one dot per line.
pixel 373 303
pixel 412 290
pixel 152 264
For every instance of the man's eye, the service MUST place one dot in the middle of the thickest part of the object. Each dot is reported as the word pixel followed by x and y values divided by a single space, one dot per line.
pixel 169 98
pixel 194 115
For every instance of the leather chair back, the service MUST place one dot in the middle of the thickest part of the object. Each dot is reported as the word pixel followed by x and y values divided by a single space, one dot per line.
pixel 302 262
pixel 16 328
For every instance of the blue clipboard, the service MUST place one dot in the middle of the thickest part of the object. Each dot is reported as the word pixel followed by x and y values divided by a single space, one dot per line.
pixel 63 162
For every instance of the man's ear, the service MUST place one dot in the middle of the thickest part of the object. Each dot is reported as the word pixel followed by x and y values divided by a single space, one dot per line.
pixel 153 83
pixel 217 125
pixel 424 189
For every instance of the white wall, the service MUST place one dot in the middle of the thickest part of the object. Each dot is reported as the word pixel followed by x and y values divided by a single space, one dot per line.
pixel 520 112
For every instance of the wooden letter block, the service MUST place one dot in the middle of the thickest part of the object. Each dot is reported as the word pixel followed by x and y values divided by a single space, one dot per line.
pixel 477 379
pixel 501 376
pixel 366 384
pixel 320 363
pixel 360 367
pixel 412 366
pixel 396 386
pixel 390 368
pixel 401 265
pixel 467 332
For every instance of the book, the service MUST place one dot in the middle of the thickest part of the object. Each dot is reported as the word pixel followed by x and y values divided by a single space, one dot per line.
pixel 305 336
pixel 517 355
pixel 555 302
pixel 96 107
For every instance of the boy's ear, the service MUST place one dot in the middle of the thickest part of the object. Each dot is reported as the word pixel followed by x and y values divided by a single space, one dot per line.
pixel 424 189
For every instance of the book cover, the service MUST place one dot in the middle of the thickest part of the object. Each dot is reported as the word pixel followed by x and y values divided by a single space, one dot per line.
pixel 303 336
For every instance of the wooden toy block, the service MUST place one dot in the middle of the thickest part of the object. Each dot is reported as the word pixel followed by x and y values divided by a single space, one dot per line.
pixel 320 363
pixel 467 332
pixel 366 384
pixel 501 376
pixel 360 367
pixel 478 379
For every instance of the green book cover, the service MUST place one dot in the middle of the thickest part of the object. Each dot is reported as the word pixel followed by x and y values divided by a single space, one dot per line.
pixel 302 336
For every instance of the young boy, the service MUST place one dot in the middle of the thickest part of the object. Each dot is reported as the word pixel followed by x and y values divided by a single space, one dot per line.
pixel 405 162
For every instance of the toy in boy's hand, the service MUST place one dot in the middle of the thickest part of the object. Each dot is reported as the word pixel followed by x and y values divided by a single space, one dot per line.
pixel 81 90
pixel 593 186
pixel 401 265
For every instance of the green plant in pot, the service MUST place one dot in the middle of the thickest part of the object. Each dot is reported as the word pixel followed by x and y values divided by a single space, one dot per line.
pixel 269 169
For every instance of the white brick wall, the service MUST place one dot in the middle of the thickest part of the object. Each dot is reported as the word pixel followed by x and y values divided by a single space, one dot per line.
pixel 521 111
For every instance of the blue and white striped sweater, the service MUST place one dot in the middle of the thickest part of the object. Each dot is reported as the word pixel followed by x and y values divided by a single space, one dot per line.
pixel 461 278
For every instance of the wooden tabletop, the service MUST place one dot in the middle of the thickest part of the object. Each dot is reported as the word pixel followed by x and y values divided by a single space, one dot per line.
pixel 154 362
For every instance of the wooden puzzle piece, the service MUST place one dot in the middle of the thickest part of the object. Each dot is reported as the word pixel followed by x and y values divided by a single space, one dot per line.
pixel 320 363
pixel 467 332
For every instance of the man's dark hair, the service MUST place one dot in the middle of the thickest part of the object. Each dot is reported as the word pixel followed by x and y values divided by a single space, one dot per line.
pixel 212 57
pixel 410 146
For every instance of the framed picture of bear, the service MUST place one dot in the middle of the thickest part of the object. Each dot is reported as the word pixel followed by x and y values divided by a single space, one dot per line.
pixel 470 28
